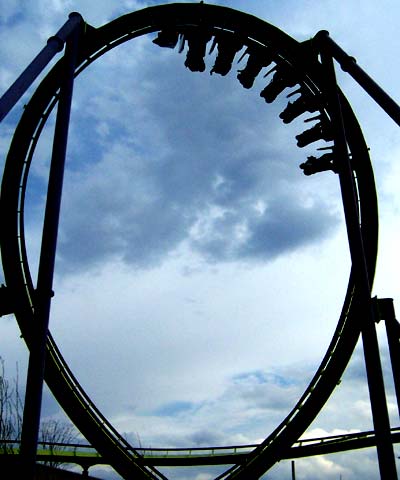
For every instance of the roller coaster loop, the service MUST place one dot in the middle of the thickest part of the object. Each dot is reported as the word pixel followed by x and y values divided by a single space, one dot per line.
pixel 307 66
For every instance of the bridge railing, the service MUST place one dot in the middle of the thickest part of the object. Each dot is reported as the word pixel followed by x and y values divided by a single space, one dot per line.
pixel 199 451
pixel 82 450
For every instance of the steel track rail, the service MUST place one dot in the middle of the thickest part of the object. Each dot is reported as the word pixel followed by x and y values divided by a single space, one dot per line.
pixel 60 379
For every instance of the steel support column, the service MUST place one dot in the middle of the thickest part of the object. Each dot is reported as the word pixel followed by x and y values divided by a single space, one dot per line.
pixel 42 301
pixel 387 313
pixel 392 331
pixel 373 365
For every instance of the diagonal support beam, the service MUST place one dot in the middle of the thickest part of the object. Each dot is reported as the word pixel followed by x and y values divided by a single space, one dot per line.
pixel 349 65
pixel 54 45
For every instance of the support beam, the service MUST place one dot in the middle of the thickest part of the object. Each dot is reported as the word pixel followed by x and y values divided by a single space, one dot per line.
pixel 293 470
pixel 373 365
pixel 385 311
pixel 7 303
pixel 54 45
pixel 36 366
pixel 349 65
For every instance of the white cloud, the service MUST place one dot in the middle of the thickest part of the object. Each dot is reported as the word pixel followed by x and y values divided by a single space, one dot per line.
pixel 321 467
pixel 321 433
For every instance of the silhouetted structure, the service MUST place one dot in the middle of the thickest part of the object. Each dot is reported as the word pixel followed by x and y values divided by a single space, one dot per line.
pixel 307 66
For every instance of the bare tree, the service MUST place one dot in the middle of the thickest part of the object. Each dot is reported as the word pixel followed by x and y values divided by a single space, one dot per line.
pixel 53 436
pixel 10 412
pixel 53 433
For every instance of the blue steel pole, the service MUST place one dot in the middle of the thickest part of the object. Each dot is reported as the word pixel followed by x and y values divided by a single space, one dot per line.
pixel 36 366
pixel 380 415
pixel 54 45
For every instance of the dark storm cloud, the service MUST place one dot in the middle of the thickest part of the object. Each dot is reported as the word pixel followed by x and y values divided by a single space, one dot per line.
pixel 172 158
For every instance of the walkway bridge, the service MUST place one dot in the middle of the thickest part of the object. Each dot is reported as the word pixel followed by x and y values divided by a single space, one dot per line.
pixel 86 456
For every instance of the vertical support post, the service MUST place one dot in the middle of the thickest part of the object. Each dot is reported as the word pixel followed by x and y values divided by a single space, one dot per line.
pixel 293 470
pixel 373 365
pixel 392 331
pixel 36 366
pixel 85 471
pixel 386 312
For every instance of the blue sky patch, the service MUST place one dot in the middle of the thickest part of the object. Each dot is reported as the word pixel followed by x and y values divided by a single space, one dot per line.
pixel 173 409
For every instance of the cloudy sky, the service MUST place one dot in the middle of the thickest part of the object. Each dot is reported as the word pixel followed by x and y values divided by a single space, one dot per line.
pixel 200 274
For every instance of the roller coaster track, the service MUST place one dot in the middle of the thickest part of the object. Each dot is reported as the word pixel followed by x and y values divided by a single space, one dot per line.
pixel 303 61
